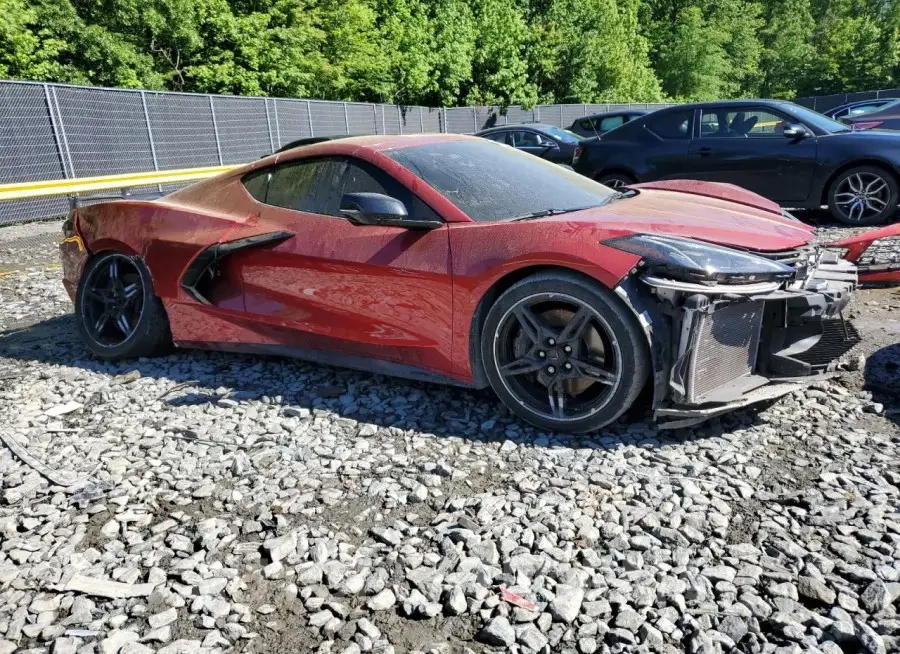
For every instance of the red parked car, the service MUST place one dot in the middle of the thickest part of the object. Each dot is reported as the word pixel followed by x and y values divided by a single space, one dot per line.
pixel 454 259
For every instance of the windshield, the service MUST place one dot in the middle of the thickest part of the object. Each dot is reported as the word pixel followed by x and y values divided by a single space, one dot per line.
pixel 815 119
pixel 562 134
pixel 490 182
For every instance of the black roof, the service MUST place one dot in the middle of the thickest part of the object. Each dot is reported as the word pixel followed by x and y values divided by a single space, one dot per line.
pixel 725 103
pixel 309 140
pixel 616 112
pixel 535 126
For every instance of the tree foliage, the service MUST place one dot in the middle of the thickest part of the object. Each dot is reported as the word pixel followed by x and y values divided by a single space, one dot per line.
pixel 449 52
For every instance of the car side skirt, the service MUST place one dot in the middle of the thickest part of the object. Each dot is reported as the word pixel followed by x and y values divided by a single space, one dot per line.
pixel 331 358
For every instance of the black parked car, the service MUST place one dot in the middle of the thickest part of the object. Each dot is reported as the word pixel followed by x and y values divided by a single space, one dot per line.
pixel 857 108
pixel 886 117
pixel 788 153
pixel 601 123
pixel 547 141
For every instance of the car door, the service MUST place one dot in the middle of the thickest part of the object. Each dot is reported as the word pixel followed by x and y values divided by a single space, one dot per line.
pixel 746 146
pixel 534 143
pixel 360 293
pixel 664 146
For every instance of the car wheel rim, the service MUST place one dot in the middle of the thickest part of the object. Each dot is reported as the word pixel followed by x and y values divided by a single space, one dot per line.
pixel 615 182
pixel 113 301
pixel 862 196
pixel 557 356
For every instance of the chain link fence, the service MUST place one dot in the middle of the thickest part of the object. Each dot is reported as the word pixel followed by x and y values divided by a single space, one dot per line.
pixel 55 131
pixel 826 102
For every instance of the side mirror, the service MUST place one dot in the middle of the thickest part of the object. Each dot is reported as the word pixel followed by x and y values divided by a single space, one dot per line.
pixel 382 210
pixel 795 131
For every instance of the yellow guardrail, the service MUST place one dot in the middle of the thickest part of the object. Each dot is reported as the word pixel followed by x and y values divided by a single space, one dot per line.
pixel 46 188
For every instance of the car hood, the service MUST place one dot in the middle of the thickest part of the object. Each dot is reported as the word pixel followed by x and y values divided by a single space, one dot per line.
pixel 704 218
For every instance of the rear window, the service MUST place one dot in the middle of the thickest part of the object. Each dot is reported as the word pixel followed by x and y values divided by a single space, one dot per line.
pixel 490 182
pixel 257 183
pixel 675 125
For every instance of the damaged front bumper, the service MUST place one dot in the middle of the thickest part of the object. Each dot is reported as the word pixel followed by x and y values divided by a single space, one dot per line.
pixel 716 348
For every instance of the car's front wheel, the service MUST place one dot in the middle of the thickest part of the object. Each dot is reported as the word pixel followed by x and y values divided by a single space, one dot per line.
pixel 116 311
pixel 864 195
pixel 563 353
pixel 615 180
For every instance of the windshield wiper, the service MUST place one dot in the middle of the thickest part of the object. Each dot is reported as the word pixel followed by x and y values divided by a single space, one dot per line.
pixel 543 213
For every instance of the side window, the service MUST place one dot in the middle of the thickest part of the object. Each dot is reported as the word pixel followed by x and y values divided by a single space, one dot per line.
pixel 675 125
pixel 611 122
pixel 755 123
pixel 712 124
pixel 499 137
pixel 304 186
pixel 257 183
pixel 362 177
pixel 587 124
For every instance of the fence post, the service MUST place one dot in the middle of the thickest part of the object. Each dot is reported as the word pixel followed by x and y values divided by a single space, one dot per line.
pixel 400 119
pixel 536 114
pixel 309 118
pixel 475 119
pixel 375 117
pixel 584 110
pixel 212 110
pixel 421 121
pixel 269 125
pixel 442 120
pixel 56 136
pixel 561 116
pixel 277 125
pixel 62 130
pixel 150 136
pixel 346 119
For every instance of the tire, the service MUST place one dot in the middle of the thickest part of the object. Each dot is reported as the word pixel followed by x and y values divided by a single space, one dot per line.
pixel 864 195
pixel 128 293
pixel 615 180
pixel 525 360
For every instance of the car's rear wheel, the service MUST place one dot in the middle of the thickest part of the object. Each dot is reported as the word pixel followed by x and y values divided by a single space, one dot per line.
pixel 116 311
pixel 865 195
pixel 563 353
pixel 615 180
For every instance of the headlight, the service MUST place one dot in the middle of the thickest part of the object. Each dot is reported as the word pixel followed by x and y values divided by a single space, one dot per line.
pixel 695 261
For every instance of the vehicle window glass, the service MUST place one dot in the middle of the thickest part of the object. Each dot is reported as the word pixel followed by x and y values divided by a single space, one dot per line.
pixel 611 122
pixel 754 123
pixel 256 184
pixel 499 137
pixel 561 134
pixel 362 177
pixel 675 125
pixel 489 182
pixel 526 139
pixel 862 109
pixel 301 185
pixel 587 124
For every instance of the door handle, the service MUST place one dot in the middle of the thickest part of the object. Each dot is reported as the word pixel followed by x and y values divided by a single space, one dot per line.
pixel 704 151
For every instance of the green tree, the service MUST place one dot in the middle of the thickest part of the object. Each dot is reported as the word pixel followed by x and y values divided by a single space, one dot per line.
pixel 788 53
pixel 499 68
pixel 692 61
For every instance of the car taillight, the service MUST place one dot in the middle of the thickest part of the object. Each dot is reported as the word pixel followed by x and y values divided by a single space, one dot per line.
pixel 577 156
pixel 872 124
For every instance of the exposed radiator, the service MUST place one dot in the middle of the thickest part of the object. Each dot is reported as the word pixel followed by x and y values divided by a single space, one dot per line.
pixel 725 347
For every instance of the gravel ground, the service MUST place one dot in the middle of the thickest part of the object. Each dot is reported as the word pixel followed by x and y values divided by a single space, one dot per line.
pixel 204 502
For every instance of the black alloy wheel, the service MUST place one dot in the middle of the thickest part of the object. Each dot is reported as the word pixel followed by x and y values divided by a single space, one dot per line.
pixel 615 180
pixel 116 311
pixel 113 301
pixel 565 361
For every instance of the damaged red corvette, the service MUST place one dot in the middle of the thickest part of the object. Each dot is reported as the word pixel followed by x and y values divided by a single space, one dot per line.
pixel 455 259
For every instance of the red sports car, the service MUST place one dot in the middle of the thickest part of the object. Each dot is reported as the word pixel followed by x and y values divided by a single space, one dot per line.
pixel 455 259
